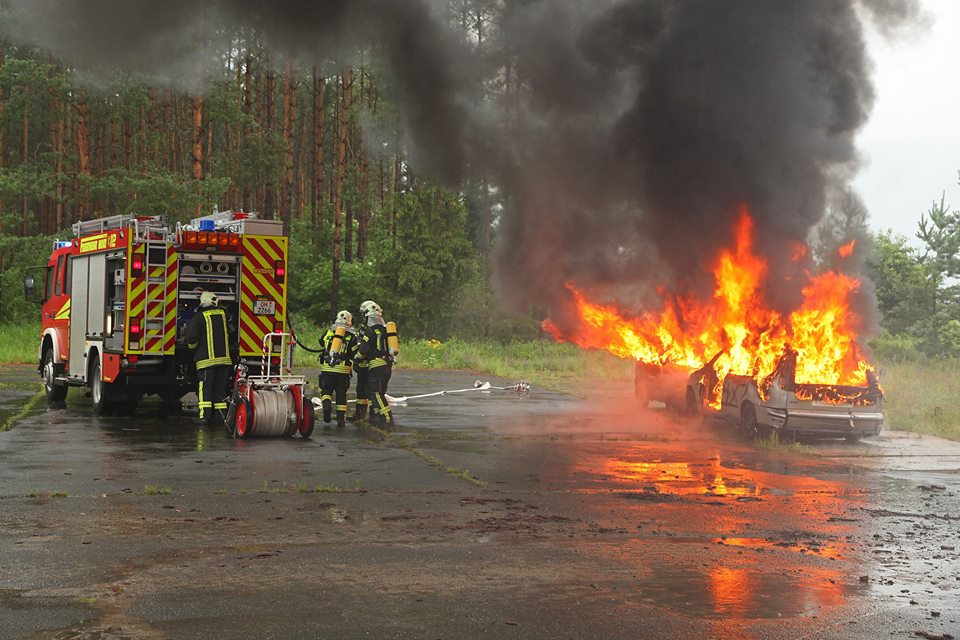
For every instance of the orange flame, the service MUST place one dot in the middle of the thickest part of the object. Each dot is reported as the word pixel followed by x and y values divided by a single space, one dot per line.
pixel 847 250
pixel 736 321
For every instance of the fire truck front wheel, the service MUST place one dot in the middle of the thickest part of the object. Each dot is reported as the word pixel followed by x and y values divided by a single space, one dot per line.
pixel 56 391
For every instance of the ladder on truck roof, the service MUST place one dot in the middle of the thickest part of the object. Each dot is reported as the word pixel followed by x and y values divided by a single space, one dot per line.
pixel 122 221
pixel 159 296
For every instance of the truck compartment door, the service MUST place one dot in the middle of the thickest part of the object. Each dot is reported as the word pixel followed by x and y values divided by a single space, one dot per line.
pixel 79 285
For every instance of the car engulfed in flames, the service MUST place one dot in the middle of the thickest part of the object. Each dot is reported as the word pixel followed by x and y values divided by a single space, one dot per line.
pixel 802 372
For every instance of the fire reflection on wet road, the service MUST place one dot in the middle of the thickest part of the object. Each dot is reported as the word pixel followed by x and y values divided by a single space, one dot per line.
pixel 727 532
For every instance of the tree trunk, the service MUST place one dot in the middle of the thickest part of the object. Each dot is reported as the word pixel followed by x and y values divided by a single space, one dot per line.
pixel 58 164
pixel 363 215
pixel 26 159
pixel 338 196
pixel 3 106
pixel 247 108
pixel 269 194
pixel 197 149
pixel 394 201
pixel 289 118
pixel 316 171
pixel 83 158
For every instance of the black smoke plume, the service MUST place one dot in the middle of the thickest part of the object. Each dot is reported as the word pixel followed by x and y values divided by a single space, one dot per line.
pixel 632 134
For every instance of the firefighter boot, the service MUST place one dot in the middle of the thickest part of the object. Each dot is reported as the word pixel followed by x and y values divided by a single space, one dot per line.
pixel 326 409
pixel 341 419
pixel 360 414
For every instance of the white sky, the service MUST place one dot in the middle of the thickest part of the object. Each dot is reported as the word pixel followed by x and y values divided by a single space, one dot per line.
pixel 911 145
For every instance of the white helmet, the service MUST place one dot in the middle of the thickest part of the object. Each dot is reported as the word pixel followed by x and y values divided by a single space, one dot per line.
pixel 370 308
pixel 344 317
pixel 209 299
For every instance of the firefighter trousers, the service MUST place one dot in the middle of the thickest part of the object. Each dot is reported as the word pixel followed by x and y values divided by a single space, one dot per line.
pixel 334 385
pixel 363 374
pixel 212 392
pixel 376 390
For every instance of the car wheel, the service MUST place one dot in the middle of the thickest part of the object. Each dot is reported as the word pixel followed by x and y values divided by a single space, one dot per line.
pixel 56 391
pixel 749 427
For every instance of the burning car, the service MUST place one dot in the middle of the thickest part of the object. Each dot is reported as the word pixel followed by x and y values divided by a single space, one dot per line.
pixel 779 404
pixel 798 369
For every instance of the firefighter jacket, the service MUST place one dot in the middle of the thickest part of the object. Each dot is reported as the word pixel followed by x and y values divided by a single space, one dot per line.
pixel 372 346
pixel 342 363
pixel 207 333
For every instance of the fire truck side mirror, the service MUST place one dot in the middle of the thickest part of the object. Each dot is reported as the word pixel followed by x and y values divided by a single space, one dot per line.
pixel 34 280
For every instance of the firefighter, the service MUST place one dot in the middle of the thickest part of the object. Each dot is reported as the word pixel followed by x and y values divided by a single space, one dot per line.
pixel 335 366
pixel 362 369
pixel 207 334
pixel 372 347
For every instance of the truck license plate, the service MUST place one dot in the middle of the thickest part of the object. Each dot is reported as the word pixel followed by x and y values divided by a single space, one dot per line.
pixel 264 307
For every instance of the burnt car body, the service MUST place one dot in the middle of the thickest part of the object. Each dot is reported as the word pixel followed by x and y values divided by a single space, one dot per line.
pixel 778 404
pixel 676 387
pixel 775 404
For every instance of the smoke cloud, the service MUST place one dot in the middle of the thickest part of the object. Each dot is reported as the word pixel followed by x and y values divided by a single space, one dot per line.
pixel 630 133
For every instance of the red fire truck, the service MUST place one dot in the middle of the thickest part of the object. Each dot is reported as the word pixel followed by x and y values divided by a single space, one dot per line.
pixel 116 299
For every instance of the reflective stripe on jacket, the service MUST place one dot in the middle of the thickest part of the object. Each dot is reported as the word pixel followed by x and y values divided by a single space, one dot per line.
pixel 207 333
pixel 344 365
pixel 372 346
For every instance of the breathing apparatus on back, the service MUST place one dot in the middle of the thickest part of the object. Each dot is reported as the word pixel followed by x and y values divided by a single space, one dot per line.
pixel 341 326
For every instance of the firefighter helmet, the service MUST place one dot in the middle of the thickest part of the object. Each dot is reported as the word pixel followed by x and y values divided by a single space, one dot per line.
pixel 209 299
pixel 371 308
pixel 344 318
pixel 364 306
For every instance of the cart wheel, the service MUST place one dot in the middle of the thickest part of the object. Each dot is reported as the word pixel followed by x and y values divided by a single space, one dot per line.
pixel 243 422
pixel 306 418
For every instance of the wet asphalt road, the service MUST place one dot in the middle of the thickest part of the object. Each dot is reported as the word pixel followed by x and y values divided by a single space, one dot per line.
pixel 492 515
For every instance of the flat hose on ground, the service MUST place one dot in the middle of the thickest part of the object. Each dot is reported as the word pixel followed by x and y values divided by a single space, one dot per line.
pixel 272 409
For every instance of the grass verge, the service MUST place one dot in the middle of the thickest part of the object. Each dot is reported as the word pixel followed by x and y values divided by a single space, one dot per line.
pixel 923 398
pixel 19 343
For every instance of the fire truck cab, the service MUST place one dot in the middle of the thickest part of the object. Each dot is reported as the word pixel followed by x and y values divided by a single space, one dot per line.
pixel 116 299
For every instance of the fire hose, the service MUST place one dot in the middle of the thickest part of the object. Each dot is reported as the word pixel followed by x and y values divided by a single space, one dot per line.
pixel 519 387
pixel 296 340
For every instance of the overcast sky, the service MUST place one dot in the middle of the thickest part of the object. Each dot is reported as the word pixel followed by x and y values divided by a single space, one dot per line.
pixel 911 145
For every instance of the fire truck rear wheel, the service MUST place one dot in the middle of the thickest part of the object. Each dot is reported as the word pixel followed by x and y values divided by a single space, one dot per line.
pixel 56 391
pixel 100 392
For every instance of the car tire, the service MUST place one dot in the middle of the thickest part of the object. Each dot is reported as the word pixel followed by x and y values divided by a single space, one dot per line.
pixel 749 426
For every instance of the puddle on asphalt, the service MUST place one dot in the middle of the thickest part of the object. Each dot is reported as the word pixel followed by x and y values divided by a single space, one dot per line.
pixel 741 592
pixel 641 475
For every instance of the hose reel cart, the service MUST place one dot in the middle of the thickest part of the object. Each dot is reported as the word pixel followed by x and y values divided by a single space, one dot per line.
pixel 273 403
